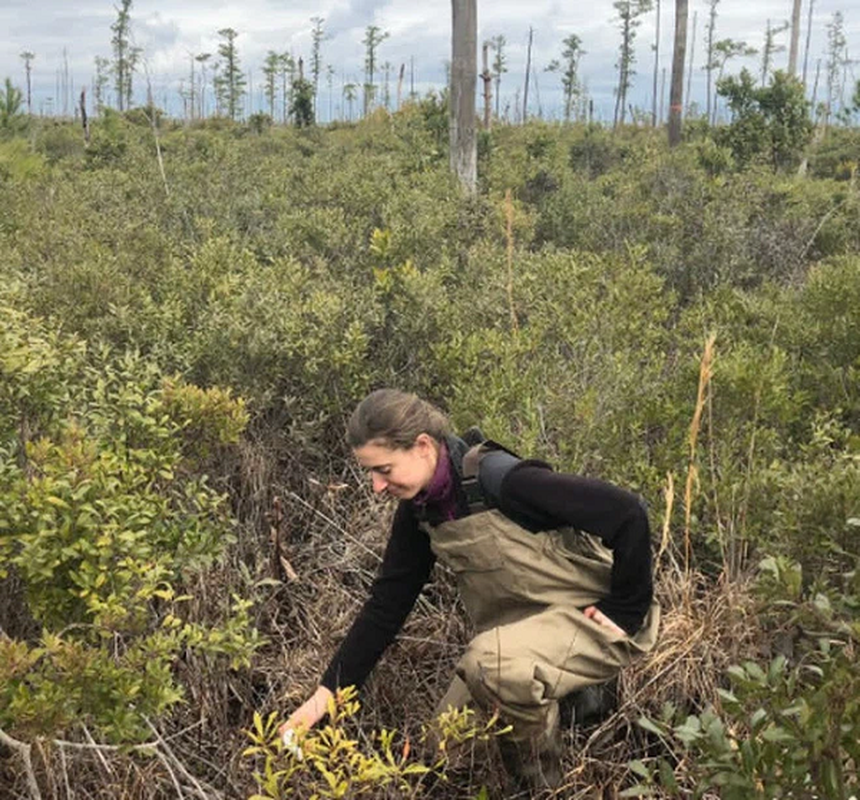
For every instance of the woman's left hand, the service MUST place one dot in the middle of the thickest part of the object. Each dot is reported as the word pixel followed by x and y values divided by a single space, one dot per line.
pixel 594 613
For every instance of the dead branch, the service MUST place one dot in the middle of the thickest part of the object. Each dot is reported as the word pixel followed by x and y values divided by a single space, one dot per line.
pixel 23 751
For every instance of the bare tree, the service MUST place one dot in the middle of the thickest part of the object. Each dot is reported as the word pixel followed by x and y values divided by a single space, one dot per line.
pixel 386 85
pixel 709 63
pixel 28 57
pixel 656 69
pixel 795 37
pixel 201 59
pixel 808 40
pixel 487 78
pixel 528 74
pixel 676 92
pixel 837 55
pixel 287 66
pixel 771 47
pixel 689 93
pixel 464 76
pixel 192 91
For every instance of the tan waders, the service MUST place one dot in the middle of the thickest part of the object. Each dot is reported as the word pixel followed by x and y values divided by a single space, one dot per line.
pixel 524 593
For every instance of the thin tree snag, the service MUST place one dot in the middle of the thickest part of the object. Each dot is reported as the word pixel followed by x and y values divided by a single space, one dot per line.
pixel 487 78
pixel 85 122
pixel 400 85
pixel 795 38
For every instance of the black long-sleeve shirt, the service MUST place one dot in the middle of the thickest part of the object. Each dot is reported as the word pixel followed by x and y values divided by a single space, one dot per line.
pixel 544 499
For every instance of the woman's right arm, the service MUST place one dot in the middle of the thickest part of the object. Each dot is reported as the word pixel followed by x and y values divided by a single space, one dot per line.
pixel 405 569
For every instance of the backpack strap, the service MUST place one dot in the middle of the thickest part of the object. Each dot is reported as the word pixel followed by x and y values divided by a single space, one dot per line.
pixel 484 468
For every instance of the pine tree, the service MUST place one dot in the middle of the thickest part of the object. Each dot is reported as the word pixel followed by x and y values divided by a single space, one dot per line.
pixel 569 69
pixel 317 38
pixel 100 82
pixel 124 54
pixel 770 48
pixel 230 84
pixel 628 20
pixel 500 61
pixel 373 37
pixel 271 70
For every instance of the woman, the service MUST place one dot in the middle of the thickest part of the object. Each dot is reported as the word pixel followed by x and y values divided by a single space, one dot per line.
pixel 554 571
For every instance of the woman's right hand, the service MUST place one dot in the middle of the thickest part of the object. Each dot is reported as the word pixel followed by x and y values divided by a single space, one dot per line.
pixel 308 713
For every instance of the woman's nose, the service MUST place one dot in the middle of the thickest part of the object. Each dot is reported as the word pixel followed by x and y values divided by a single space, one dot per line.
pixel 379 482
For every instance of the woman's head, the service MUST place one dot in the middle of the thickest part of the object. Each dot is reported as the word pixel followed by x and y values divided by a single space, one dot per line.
pixel 395 436
pixel 395 419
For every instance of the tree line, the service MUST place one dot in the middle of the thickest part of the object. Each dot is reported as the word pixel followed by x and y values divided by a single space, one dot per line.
pixel 290 90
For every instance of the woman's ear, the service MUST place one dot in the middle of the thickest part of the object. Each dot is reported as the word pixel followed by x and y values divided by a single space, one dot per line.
pixel 425 443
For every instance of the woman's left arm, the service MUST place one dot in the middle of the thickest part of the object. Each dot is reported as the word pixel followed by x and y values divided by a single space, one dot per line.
pixel 531 490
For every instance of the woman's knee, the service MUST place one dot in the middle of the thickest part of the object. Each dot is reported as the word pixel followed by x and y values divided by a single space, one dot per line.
pixel 501 679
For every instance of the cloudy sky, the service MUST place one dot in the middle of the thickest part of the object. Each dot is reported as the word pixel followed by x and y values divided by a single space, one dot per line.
pixel 60 32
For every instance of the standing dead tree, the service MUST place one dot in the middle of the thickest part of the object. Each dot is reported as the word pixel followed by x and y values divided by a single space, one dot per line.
pixel 464 76
pixel 795 38
pixel 28 57
pixel 710 63
pixel 676 92
pixel 487 78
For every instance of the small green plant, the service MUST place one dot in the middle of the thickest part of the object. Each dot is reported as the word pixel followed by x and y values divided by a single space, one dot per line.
pixel 331 763
pixel 786 729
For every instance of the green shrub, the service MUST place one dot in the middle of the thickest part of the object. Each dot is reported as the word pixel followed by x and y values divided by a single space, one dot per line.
pixel 787 728
pixel 106 522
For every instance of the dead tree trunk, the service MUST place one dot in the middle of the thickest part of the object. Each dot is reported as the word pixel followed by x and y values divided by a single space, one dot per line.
pixel 808 39
pixel 656 70
pixel 528 71
pixel 676 92
pixel 464 76
pixel 84 120
pixel 689 92
pixel 400 84
pixel 487 78
pixel 795 38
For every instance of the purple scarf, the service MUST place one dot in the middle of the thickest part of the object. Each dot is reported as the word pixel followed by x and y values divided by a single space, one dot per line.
pixel 440 491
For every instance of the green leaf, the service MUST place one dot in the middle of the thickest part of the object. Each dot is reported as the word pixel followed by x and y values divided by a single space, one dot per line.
pixel 777 734
pixel 650 726
pixel 667 776
pixel 639 768
pixel 639 790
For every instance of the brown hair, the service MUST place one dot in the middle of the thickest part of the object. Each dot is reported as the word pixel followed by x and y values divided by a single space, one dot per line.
pixel 395 418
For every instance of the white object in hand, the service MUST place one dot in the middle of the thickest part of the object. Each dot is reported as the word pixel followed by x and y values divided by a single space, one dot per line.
pixel 290 744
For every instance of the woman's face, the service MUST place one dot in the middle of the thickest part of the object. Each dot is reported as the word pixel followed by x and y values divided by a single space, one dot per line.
pixel 401 472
